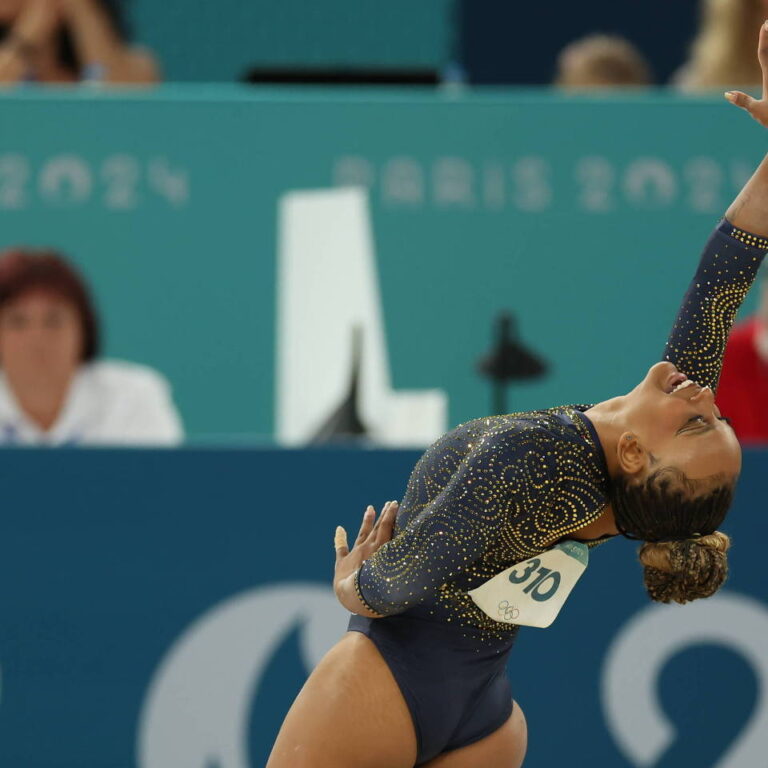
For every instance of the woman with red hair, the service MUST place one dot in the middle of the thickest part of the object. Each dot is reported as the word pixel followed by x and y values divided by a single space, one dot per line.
pixel 53 389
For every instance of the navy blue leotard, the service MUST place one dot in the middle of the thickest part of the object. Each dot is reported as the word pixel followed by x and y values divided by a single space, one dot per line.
pixel 496 491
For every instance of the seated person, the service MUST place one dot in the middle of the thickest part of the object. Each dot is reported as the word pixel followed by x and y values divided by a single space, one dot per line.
pixel 601 61
pixel 66 41
pixel 742 395
pixel 53 388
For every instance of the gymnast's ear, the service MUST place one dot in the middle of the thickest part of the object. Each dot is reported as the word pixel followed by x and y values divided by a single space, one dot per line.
pixel 633 458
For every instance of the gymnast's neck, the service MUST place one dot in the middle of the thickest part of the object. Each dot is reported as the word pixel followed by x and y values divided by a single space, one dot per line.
pixel 609 423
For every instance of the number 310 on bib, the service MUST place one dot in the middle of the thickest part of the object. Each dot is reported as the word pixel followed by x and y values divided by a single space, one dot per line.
pixel 532 593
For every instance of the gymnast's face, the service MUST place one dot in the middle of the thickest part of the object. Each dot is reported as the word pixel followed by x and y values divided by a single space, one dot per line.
pixel 671 421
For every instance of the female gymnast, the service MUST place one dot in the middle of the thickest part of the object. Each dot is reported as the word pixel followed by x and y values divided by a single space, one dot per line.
pixel 420 678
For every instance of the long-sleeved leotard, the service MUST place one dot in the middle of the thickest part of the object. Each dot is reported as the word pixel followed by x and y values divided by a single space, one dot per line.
pixel 490 493
pixel 495 491
pixel 726 272
pixel 499 490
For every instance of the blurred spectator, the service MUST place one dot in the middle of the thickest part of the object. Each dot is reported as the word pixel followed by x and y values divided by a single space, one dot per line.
pixel 601 61
pixel 65 41
pixel 742 394
pixel 723 52
pixel 53 389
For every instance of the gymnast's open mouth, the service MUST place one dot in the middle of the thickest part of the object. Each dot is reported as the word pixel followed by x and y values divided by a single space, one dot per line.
pixel 680 383
pixel 674 382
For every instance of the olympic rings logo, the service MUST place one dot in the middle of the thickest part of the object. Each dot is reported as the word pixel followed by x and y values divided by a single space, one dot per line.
pixel 508 612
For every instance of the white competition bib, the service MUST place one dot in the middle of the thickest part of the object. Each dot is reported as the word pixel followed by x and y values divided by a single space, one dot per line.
pixel 533 592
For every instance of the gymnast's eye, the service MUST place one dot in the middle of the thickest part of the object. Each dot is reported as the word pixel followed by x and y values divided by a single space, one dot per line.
pixel 692 423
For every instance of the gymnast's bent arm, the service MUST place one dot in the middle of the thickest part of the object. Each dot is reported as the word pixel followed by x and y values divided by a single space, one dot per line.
pixel 443 538
pixel 448 535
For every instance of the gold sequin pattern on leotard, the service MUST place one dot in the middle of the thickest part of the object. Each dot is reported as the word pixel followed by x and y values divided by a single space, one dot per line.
pixel 492 492
pixel 700 332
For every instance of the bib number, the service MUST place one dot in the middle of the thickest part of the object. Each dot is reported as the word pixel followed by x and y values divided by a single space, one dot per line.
pixel 543 586
pixel 533 592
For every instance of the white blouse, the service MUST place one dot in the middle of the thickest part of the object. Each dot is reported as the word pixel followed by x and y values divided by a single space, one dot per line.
pixel 108 403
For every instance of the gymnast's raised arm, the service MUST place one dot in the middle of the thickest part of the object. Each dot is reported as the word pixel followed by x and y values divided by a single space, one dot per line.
pixel 749 211
pixel 728 265
pixel 727 269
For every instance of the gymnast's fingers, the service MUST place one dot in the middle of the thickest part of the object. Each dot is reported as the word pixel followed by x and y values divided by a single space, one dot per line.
pixel 384 534
pixel 367 525
pixel 742 100
pixel 375 531
pixel 340 543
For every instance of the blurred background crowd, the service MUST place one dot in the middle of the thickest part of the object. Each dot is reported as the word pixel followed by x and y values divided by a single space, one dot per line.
pixel 691 45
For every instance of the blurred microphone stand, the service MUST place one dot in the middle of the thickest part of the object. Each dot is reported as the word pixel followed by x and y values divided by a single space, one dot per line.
pixel 509 360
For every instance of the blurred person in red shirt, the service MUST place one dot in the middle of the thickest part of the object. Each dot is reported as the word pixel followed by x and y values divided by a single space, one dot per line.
pixel 742 394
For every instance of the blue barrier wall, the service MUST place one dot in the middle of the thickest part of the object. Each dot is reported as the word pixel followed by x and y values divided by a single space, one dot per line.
pixel 161 609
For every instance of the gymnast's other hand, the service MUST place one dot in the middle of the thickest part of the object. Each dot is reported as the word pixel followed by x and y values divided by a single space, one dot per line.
pixel 758 108
pixel 372 535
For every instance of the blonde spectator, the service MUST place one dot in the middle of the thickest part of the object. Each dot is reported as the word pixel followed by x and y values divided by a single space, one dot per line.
pixel 67 41
pixel 54 389
pixel 723 52
pixel 601 61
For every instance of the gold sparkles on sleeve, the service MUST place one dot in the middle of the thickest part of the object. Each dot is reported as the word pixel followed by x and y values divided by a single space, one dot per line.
pixel 725 274
pixel 490 493
pixel 441 539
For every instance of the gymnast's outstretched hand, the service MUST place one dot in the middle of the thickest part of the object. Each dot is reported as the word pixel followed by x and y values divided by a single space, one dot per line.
pixel 372 535
pixel 758 108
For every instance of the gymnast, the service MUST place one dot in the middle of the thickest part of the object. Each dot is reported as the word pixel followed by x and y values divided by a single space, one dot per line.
pixel 496 523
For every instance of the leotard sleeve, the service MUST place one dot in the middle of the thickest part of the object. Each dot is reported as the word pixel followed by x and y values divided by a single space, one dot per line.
pixel 521 489
pixel 450 532
pixel 727 269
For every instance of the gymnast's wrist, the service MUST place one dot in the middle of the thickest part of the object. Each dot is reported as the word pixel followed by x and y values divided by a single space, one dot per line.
pixel 349 595
pixel 749 239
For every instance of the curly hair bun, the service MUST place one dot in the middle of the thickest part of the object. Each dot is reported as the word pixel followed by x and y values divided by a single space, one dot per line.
pixel 682 571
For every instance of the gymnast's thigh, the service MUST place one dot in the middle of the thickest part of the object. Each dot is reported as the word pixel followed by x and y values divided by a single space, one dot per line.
pixel 349 714
pixel 504 748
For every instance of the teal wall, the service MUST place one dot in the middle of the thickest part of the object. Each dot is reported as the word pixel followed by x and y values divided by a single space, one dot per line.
pixel 583 216
pixel 107 580
pixel 210 41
